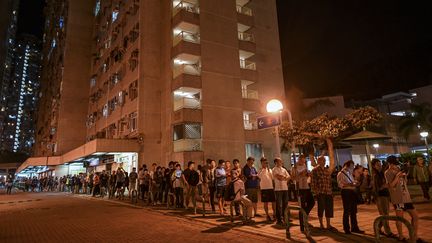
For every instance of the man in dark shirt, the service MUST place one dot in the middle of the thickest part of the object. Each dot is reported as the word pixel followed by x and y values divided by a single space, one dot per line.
pixel 192 179
pixel 252 182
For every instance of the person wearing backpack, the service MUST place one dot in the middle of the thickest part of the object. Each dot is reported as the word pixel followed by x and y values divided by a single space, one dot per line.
pixel 192 180
pixel 238 189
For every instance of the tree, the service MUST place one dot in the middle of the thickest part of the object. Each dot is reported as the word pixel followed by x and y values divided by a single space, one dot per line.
pixel 419 119
pixel 308 133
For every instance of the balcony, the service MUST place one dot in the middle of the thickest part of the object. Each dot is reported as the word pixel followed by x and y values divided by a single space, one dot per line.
pixel 250 125
pixel 188 6
pixel 244 36
pixel 248 65
pixel 191 69
pixel 187 145
pixel 250 94
pixel 244 10
pixel 187 37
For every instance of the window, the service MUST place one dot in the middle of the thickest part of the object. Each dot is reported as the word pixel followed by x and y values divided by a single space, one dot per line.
pixel 133 122
pixel 114 15
pixel 97 8
pixel 105 110
pixel 187 131
pixel 133 90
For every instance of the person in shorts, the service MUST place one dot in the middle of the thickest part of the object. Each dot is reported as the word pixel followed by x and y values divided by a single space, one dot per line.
pixel 252 182
pixel 400 196
pixel 267 191
pixel 220 177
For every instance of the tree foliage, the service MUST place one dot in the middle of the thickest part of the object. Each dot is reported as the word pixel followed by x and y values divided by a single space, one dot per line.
pixel 419 119
pixel 318 129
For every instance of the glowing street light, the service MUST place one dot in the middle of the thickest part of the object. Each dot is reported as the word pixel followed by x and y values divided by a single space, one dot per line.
pixel 274 105
pixel 424 135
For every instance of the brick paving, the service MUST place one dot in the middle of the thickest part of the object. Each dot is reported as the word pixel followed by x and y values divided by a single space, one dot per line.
pixel 54 217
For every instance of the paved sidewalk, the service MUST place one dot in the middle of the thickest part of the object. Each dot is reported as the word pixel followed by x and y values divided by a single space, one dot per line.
pixel 366 216
pixel 218 224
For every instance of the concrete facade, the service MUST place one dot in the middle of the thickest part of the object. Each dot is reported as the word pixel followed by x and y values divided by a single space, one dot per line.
pixel 143 58
pixel 184 79
pixel 64 84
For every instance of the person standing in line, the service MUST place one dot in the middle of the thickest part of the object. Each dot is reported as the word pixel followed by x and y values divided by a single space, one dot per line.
pixel 382 194
pixel 141 179
pixel 133 176
pixel 422 177
pixel 300 174
pixel 252 183
pixel 400 196
pixel 96 183
pixel 237 167
pixel 178 182
pixel 211 183
pixel 192 180
pixel 267 190
pixel 321 185
pixel 220 179
pixel 281 178
pixel 348 184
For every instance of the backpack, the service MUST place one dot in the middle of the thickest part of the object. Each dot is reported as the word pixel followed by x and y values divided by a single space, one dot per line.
pixel 230 193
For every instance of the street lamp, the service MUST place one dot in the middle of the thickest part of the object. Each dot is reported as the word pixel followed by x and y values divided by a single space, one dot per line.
pixel 424 135
pixel 376 147
pixel 274 106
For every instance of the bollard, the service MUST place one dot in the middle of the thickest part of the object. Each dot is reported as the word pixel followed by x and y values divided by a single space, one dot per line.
pixel 305 220
pixel 379 220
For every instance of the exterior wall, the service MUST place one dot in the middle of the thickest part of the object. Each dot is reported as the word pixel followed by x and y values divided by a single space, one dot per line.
pixel 65 77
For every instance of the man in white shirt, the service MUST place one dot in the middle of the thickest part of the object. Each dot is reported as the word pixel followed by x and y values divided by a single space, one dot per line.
pixel 266 185
pixel 281 178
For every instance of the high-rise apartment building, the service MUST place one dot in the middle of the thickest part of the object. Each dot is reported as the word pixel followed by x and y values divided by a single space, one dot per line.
pixel 64 86
pixel 167 80
pixel 18 92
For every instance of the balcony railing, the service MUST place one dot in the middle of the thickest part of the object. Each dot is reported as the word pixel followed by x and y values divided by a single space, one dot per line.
pixel 186 36
pixel 244 10
pixel 243 36
pixel 190 103
pixel 192 69
pixel 187 6
pixel 250 94
pixel 187 145
pixel 249 125
pixel 245 64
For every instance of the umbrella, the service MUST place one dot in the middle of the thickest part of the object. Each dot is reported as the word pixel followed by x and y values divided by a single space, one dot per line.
pixel 366 136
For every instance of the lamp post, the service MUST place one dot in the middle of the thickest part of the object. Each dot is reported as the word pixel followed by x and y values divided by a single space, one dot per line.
pixel 275 106
pixel 424 135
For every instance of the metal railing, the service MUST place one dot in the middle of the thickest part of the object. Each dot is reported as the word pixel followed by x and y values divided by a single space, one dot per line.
pixel 379 221
pixel 244 36
pixel 192 69
pixel 191 103
pixel 187 6
pixel 249 94
pixel 305 220
pixel 244 10
pixel 186 36
pixel 245 64
pixel 187 145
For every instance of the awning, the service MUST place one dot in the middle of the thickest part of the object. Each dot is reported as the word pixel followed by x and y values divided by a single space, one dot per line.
pixel 93 148
pixel 36 162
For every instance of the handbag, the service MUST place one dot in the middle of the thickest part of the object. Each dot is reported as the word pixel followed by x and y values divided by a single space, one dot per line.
pixel 359 196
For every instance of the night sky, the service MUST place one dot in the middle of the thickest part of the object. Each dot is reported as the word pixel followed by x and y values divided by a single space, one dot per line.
pixel 30 17
pixel 361 49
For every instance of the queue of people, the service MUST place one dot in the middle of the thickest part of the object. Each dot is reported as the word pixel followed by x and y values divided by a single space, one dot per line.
pixel 223 182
